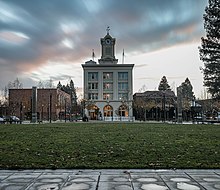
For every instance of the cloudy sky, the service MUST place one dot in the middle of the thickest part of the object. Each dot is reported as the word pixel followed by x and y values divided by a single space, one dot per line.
pixel 50 39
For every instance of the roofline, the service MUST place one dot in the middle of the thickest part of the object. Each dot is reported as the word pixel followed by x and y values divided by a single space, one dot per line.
pixel 31 89
pixel 108 65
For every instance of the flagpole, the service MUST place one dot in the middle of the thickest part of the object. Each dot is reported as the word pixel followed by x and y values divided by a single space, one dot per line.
pixel 93 54
pixel 123 56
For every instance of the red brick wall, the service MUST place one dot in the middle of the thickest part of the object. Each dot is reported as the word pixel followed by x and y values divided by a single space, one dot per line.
pixel 20 102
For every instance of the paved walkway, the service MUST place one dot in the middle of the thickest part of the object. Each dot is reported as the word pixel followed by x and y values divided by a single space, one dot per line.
pixel 109 179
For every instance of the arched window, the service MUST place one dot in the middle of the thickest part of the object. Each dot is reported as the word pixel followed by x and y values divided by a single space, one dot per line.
pixel 108 111
pixel 93 111
pixel 123 111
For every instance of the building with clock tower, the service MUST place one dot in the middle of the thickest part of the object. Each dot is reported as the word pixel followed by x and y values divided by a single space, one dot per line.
pixel 108 85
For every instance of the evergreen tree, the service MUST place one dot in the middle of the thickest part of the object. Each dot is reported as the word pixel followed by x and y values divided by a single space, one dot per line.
pixel 73 93
pixel 210 48
pixel 70 89
pixel 59 85
pixel 187 94
pixel 164 84
pixel 64 88
pixel 187 90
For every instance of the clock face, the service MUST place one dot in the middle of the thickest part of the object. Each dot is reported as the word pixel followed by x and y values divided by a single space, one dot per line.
pixel 108 41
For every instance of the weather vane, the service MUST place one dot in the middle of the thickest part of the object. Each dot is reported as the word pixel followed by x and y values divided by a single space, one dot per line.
pixel 108 28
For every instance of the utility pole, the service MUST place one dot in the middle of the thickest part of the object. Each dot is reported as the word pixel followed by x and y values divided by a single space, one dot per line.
pixel 50 106
pixel 179 105
pixel 65 110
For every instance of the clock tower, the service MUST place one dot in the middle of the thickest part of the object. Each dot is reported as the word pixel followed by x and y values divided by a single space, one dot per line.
pixel 108 85
pixel 108 49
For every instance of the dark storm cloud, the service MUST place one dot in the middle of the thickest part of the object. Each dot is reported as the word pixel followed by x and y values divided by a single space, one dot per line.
pixel 139 26
pixel 156 24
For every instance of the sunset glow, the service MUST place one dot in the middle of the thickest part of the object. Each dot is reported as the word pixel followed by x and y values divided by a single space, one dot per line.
pixel 49 40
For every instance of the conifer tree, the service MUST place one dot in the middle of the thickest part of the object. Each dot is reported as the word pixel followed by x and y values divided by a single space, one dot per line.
pixel 187 90
pixel 70 89
pixel 164 84
pixel 59 85
pixel 73 92
pixel 210 48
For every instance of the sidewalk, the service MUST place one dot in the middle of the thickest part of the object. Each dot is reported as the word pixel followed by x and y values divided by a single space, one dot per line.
pixel 109 179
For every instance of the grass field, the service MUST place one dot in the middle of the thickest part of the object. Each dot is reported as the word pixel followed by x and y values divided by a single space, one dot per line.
pixel 109 145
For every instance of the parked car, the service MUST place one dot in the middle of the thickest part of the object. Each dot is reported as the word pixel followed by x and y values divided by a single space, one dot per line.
pixel 2 120
pixel 218 117
pixel 14 119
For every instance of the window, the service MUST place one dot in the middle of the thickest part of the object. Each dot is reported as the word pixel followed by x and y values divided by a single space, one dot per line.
pixel 122 75
pixel 107 86
pixel 108 111
pixel 123 111
pixel 93 76
pixel 123 86
pixel 108 76
pixel 107 96
pixel 93 86
pixel 108 51
pixel 123 96
pixel 93 96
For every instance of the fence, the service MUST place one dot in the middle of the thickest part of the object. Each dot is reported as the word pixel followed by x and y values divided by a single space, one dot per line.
pixel 119 118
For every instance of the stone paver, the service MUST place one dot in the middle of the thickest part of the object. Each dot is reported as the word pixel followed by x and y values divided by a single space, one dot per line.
pixel 110 179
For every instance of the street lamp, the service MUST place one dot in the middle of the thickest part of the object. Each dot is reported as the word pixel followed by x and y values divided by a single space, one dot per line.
pixel 65 110
pixel 164 106
pixel 144 108
pixel 42 111
pixel 21 112
pixel 50 106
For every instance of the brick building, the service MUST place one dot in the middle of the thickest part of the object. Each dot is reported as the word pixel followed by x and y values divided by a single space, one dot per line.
pixel 155 105
pixel 52 104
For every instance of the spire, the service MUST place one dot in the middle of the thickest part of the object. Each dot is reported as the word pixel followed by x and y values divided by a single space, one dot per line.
pixel 108 28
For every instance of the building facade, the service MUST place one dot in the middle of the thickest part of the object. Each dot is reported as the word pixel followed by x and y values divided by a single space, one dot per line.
pixel 108 86
pixel 52 104
pixel 155 105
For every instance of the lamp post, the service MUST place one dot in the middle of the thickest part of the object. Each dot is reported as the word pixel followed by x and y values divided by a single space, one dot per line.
pixel 50 106
pixel 164 106
pixel 65 110
pixel 42 111
pixel 21 112
pixel 179 105
pixel 145 112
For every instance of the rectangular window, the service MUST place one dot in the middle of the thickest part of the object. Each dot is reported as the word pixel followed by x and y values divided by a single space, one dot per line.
pixel 93 96
pixel 122 75
pixel 93 86
pixel 122 86
pixel 107 96
pixel 107 86
pixel 93 76
pixel 107 76
pixel 123 96
pixel 108 51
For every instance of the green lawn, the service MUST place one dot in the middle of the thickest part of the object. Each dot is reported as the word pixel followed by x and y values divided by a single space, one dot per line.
pixel 109 145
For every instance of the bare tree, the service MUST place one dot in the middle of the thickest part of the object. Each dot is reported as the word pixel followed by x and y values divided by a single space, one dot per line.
pixel 16 84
